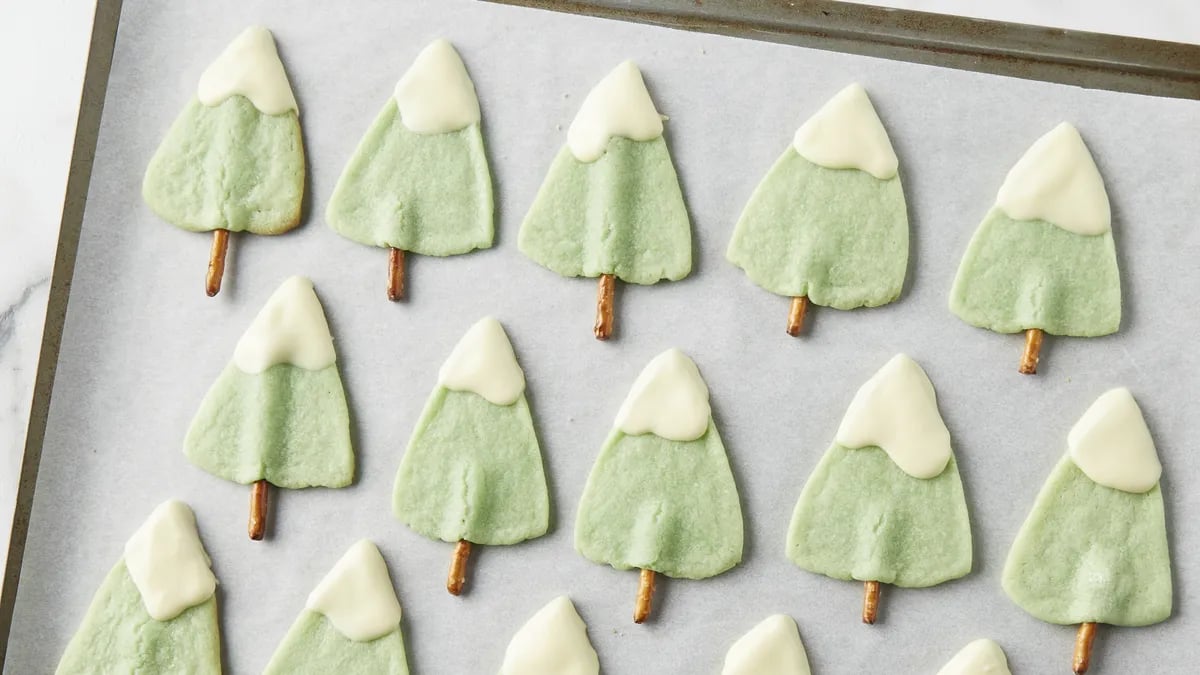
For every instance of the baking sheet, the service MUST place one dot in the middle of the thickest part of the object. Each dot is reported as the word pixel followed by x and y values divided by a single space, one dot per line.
pixel 142 343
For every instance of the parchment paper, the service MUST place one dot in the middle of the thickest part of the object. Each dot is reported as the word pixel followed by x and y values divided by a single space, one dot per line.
pixel 142 342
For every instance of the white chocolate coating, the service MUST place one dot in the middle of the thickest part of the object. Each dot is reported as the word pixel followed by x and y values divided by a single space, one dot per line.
pixel 846 133
pixel 290 328
pixel 897 411
pixel 436 95
pixel 668 399
pixel 1057 181
pixel 553 642
pixel 619 105
pixel 981 657
pixel 773 647
pixel 1112 445
pixel 249 66
pixel 167 562
pixel 483 362
pixel 357 595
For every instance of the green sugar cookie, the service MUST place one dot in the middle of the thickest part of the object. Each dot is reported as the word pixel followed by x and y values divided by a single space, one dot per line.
pixel 234 158
pixel 885 503
pixel 1043 258
pixel 1094 547
pixel 155 612
pixel 661 495
pixel 278 411
pixel 350 624
pixel 419 180
pixel 829 220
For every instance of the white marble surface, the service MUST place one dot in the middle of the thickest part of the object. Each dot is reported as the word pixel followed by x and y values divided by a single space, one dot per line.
pixel 43 49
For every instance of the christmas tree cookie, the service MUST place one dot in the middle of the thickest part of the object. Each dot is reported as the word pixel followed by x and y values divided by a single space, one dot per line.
pixel 661 497
pixel 553 642
pixel 472 473
pixel 981 657
pixel 885 504
pixel 419 180
pixel 773 647
pixel 1043 260
pixel 1094 548
pixel 350 624
pixel 611 206
pixel 233 161
pixel 155 612
pixel 277 413
pixel 828 223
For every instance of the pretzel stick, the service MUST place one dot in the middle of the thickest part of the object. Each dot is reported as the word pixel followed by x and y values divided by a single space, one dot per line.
pixel 604 306
pixel 257 526
pixel 216 262
pixel 870 602
pixel 1033 348
pixel 645 596
pixel 796 315
pixel 457 578
pixel 1083 648
pixel 395 287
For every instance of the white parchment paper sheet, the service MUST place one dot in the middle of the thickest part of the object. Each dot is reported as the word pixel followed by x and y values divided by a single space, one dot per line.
pixel 143 343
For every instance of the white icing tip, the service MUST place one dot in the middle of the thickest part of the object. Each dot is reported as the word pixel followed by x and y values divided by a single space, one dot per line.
pixel 773 647
pixel 167 562
pixel 290 328
pixel 1111 444
pixel 552 642
pixel 357 595
pixel 483 362
pixel 436 95
pixel 846 133
pixel 668 399
pixel 1057 181
pixel 981 657
pixel 619 105
pixel 249 66
pixel 897 411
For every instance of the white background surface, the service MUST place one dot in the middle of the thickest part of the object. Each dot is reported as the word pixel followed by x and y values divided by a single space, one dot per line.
pixel 42 54
pixel 142 346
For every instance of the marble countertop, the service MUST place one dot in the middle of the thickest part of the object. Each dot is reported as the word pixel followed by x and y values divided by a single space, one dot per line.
pixel 35 151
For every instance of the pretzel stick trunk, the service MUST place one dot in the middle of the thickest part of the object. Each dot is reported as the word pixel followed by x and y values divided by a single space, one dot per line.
pixel 796 314
pixel 457 578
pixel 1084 637
pixel 257 527
pixel 216 262
pixel 1033 350
pixel 605 289
pixel 395 286
pixel 645 596
pixel 870 602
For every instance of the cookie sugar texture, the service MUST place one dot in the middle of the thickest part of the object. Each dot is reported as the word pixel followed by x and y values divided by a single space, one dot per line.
pixel 350 624
pixel 829 221
pixel 661 496
pixel 886 503
pixel 278 411
pixel 419 180
pixel 1044 258
pixel 234 158
pixel 1094 547
pixel 155 612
